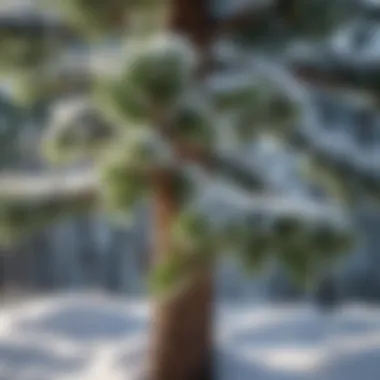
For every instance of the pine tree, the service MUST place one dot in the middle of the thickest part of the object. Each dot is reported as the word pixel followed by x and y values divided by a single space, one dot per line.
pixel 154 125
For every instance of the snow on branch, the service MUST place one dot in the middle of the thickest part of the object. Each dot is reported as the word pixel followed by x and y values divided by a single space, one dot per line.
pixel 233 167
pixel 353 167
pixel 237 14
pixel 32 187
pixel 77 130
pixel 302 234
pixel 29 20
pixel 344 155
pixel 346 72
pixel 224 198
pixel 30 202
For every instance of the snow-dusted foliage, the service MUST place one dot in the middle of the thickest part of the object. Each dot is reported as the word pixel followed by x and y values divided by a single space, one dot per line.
pixel 28 42
pixel 160 69
pixel 28 203
pixel 155 112
pixel 126 169
pixel 147 80
pixel 99 18
pixel 77 130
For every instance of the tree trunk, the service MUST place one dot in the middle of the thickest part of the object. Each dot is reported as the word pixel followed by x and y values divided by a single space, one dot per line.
pixel 193 19
pixel 182 341
pixel 182 326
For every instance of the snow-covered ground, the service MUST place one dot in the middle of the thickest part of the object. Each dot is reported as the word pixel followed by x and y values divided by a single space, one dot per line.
pixel 91 337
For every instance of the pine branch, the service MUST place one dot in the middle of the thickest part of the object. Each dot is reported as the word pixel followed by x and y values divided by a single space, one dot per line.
pixel 239 14
pixel 255 229
pixel 221 195
pixel 335 73
pixel 46 188
pixel 352 173
pixel 351 162
pixel 320 67
pixel 313 17
pixel 36 23
pixel 29 203
pixel 232 167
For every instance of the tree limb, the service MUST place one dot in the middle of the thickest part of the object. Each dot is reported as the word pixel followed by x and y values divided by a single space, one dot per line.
pixel 49 187
pixel 356 173
pixel 232 167
pixel 29 203
pixel 270 204
pixel 239 14
pixel 338 73
pixel 37 23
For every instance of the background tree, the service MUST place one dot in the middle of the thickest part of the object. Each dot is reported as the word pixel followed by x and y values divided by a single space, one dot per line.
pixel 168 122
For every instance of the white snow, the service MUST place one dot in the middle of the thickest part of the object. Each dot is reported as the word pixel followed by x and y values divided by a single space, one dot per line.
pixel 91 336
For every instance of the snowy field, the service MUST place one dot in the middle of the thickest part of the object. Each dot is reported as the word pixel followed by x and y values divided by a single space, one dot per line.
pixel 93 337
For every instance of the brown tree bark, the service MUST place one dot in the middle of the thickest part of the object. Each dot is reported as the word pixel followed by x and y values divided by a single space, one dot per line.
pixel 193 19
pixel 181 326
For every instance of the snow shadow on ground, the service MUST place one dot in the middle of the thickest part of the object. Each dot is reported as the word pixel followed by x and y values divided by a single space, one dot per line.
pixel 352 327
pixel 31 362
pixel 284 332
pixel 85 337
pixel 85 323
pixel 306 346
pixel 308 332
pixel 359 365
pixel 231 366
